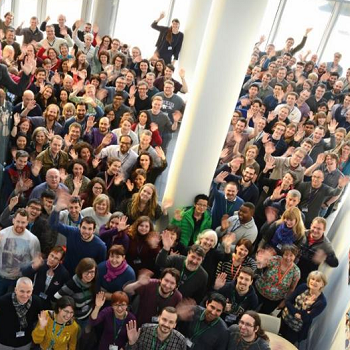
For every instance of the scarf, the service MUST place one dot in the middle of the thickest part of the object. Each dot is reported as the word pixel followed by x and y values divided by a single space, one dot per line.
pixel 283 235
pixel 114 272
pixel 21 310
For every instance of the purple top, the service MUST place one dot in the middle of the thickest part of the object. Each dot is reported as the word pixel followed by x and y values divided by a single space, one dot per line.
pixel 112 236
pixel 94 138
pixel 106 316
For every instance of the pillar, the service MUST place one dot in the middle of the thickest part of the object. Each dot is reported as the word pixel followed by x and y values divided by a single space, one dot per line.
pixel 104 14
pixel 228 40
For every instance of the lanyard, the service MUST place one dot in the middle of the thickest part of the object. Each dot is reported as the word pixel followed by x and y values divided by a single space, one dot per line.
pixel 154 341
pixel 198 331
pixel 115 332
pixel 183 272
pixel 106 180
pixel 55 336
pixel 279 274
pixel 237 272
pixel 233 301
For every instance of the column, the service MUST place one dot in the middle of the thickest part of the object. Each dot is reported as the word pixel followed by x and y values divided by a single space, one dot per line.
pixel 228 40
pixel 104 14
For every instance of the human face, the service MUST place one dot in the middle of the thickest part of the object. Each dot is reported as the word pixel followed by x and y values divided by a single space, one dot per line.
pixel 193 261
pixel 231 192
pixel 51 113
pixel 145 162
pixel 104 125
pixel 338 87
pixel 150 80
pixel 287 180
pixel 168 73
pixel 125 144
pixel 21 162
pixel 251 154
pixel 167 284
pixel 317 230
pixel 143 119
pixel 247 328
pixel 146 194
pixel 19 224
pixel 144 228
pixel 120 309
pixel 126 126
pixel 65 314
pixel 139 181
pixel 309 129
pixel 114 168
pixel 85 154
pixel 116 259
pixel 97 188
pixel 74 210
pixel 207 242
pixel 242 251
pixel 339 137
pixel 129 78
pixel 317 179
pixel 74 133
pixel 53 259
pixel 240 126
pixel 291 202
pixel 81 111
pixel 253 91
pixel 244 281
pixel 166 323
pixel 101 208
pixel 278 132
pixel 87 231
pixel 290 223
pixel 290 131
pixel 156 106
pixel 21 142
pixel 248 174
pixel 50 33
pixel 27 97
pixel 296 159
pixel 78 170
pixel 168 90
pixel 213 310
pixel 331 162
pixel 315 284
pixel 89 275
pixel 244 214
pixel 53 178
pixel 201 206
pixel 288 257
pixel 34 211
pixel 114 223
pixel 145 140
pixel 283 114
pixel 23 292
pixel 47 204
pixel 8 19
pixel 120 84
pixel 63 96
pixel 277 89
pixel 345 151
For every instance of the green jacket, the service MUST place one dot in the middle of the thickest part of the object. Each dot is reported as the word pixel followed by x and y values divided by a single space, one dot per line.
pixel 187 225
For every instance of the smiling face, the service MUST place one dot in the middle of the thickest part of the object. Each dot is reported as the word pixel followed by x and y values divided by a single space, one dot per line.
pixel 213 310
pixel 19 224
pixel 244 281
pixel 101 208
pixel 87 231
pixel 144 228
pixel 193 261
pixel 88 276
pixel 146 194
pixel 167 284
pixel 166 323
pixel 23 292
pixel 145 161
pixel 207 242
pixel 24 127
pixel 242 251
pixel 116 259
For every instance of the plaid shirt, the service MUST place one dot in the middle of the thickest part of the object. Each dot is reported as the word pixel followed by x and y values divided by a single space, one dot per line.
pixel 176 341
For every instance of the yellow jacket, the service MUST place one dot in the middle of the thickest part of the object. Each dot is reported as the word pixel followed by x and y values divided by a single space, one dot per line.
pixel 67 339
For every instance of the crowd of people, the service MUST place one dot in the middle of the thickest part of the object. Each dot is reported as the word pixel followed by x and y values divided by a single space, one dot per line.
pixel 89 258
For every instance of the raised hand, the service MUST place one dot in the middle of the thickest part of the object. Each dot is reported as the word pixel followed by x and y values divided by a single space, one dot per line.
pixel 343 181
pixel 153 240
pixel 320 158
pixel 330 104
pixel 27 184
pixel 182 73
pixel 96 162
pixel 63 31
pixel 13 202
pixel 77 183
pixel 224 153
pixel 29 65
pixel 73 153
pixel 185 309
pixel 144 277
pixel 62 200
pixel 276 194
pixel 162 15
pixel 270 163
pixel 122 224
pixel 178 214
pixel 63 174
pixel 220 280
pixel 90 123
pixel 227 241
pixel 177 115
pixel 224 222
pixel 37 262
pixel 153 127
pixel 265 138
pixel 271 116
pixel 319 257
pixel 332 126
pixel 269 148
pixel 132 332
pixel 100 299
pixel 36 167
pixel 307 31
pixel 167 240
pixel 130 186
pixel 43 319
pixel 220 178
pixel 107 139
pixel 95 28
pixel 160 152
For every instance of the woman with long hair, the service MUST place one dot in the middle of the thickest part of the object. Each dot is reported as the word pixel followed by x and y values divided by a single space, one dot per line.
pixel 46 96
pixel 137 179
pixel 344 158
pixel 57 329
pixel 84 151
pixel 40 141
pixel 95 187
pixel 144 123
pixel 76 181
pixel 125 129
pixel 144 245
pixel 82 288
pixel 159 68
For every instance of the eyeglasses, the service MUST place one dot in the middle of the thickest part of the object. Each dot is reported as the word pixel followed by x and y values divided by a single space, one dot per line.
pixel 122 306
pixel 35 208
pixel 68 312
pixel 242 323
pixel 98 188
pixel 89 273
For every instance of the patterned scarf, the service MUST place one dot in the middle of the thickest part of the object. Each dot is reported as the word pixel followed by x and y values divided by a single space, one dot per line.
pixel 283 235
pixel 21 310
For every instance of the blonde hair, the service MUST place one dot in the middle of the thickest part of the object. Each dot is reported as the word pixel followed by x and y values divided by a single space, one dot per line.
pixel 319 275
pixel 294 214
pixel 102 198
pixel 207 233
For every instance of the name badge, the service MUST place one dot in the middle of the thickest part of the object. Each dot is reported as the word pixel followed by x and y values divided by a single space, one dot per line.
pixel 43 296
pixel 305 209
pixel 113 347
pixel 20 334
pixel 279 246
pixel 85 308
pixel 189 344
pixel 155 319
pixel 137 261
pixel 230 318
pixel 170 48
pixel 274 290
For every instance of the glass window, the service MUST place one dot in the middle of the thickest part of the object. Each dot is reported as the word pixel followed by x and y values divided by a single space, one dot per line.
pixel 55 8
pixel 23 14
pixel 340 35
pixel 134 19
pixel 295 19
pixel 268 18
